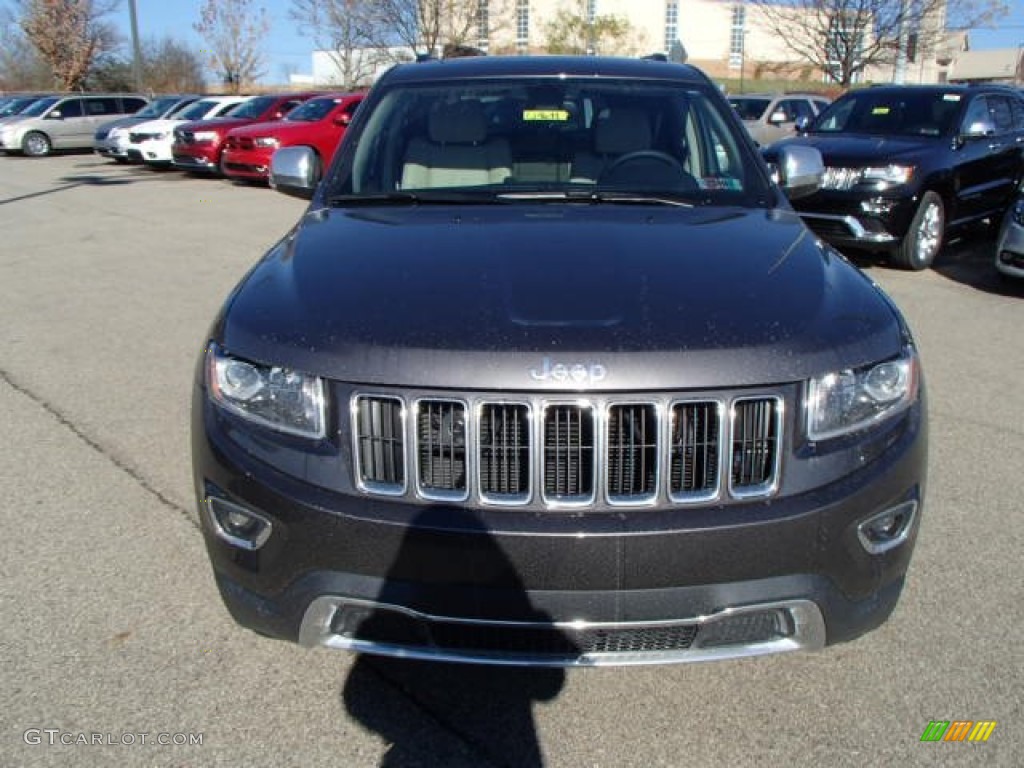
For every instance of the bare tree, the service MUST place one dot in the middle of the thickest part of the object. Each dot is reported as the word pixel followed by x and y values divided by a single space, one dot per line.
pixel 432 26
pixel 21 68
pixel 349 31
pixel 68 35
pixel 842 38
pixel 234 32
pixel 171 66
pixel 574 31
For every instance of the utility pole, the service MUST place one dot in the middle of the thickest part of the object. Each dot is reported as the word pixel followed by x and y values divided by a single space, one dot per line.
pixel 136 47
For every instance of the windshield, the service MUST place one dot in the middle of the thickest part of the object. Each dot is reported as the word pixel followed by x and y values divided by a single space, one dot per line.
pixel 253 107
pixel 39 107
pixel 313 110
pixel 15 106
pixel 197 110
pixel 156 108
pixel 549 139
pixel 749 108
pixel 892 113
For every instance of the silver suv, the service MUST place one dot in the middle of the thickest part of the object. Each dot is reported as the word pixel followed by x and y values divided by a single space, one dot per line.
pixel 769 117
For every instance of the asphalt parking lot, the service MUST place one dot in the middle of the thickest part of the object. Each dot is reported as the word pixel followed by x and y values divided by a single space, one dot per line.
pixel 111 626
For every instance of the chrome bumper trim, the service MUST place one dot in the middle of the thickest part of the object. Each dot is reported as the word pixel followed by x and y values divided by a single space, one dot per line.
pixel 808 634
pixel 855 229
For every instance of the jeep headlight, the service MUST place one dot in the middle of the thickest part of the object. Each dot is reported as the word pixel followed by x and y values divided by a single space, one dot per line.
pixel 266 141
pixel 205 136
pixel 848 400
pixel 890 174
pixel 276 397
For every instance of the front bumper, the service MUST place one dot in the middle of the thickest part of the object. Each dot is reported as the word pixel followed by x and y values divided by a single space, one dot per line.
pixel 1010 248
pixel 848 218
pixel 196 158
pixel 339 571
pixel 251 164
pixel 111 149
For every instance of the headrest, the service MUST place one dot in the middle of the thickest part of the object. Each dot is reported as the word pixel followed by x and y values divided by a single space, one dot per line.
pixel 623 130
pixel 459 123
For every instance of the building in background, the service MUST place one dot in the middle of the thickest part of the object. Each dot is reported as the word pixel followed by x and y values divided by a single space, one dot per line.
pixel 728 39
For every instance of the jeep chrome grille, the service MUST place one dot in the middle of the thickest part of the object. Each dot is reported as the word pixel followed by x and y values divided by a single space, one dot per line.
pixel 568 454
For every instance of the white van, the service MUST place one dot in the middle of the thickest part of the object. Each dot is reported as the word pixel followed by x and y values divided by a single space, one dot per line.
pixel 65 122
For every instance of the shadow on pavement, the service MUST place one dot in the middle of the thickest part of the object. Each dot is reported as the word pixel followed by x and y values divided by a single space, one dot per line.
pixel 968 259
pixel 465 714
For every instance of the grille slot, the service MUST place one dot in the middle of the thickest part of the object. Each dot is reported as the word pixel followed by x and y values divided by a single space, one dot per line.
pixel 631 453
pixel 696 432
pixel 380 443
pixel 841 178
pixel 441 448
pixel 505 447
pixel 755 445
pixel 568 454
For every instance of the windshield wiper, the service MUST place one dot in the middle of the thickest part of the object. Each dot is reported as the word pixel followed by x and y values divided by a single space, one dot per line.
pixel 410 198
pixel 597 196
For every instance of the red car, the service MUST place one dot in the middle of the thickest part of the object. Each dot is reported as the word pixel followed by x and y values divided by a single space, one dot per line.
pixel 198 146
pixel 319 123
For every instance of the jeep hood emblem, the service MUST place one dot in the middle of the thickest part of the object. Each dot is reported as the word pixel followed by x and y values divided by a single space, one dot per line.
pixel 576 373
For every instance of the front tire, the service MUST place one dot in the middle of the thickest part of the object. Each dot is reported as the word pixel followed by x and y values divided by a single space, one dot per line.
pixel 924 239
pixel 36 144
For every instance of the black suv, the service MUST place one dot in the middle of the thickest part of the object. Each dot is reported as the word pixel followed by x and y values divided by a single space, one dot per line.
pixel 906 165
pixel 550 373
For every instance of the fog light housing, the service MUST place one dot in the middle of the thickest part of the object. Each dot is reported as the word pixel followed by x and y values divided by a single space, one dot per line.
pixel 746 628
pixel 237 525
pixel 887 529
pixel 877 206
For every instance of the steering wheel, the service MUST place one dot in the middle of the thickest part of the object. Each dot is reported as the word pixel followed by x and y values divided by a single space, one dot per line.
pixel 644 154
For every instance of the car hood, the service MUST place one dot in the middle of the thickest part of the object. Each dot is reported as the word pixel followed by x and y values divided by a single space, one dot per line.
pixel 220 124
pixel 156 126
pixel 499 296
pixel 274 128
pixel 853 151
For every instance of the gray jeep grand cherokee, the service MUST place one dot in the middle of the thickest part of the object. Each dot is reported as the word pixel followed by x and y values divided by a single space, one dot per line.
pixel 550 373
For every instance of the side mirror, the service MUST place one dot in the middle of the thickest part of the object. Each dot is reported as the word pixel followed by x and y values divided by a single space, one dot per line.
pixel 777 117
pixel 343 119
pixel 802 123
pixel 801 170
pixel 293 171
pixel 55 115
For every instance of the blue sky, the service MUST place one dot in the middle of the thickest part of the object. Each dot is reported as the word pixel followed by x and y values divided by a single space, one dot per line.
pixel 289 50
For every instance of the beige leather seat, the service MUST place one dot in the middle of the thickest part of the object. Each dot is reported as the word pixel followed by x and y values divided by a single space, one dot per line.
pixel 618 133
pixel 456 152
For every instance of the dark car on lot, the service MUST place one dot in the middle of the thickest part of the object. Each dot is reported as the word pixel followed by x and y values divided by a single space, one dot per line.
pixel 550 373
pixel 908 165
pixel 319 123
pixel 198 146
